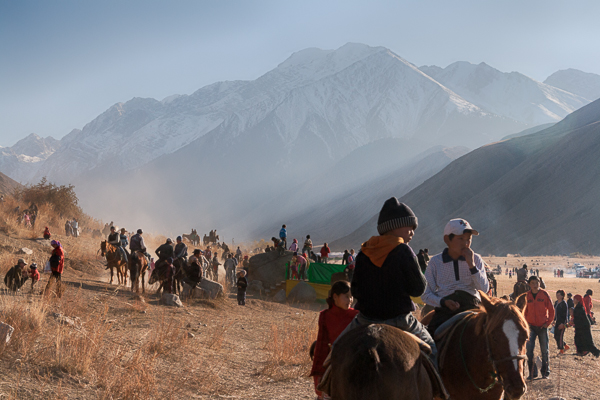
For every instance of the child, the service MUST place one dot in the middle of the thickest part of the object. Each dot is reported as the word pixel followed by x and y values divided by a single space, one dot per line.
pixel 325 253
pixel 34 274
pixel 294 246
pixel 294 267
pixel 242 284
pixel 332 322
pixel 46 233
pixel 307 248
pixel 583 332
pixel 351 260
pixel 561 320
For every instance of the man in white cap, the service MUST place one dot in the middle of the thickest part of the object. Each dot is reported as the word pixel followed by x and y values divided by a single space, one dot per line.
pixel 455 275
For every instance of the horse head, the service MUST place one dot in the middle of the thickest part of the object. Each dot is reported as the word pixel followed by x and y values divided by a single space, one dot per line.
pixel 154 277
pixel 506 332
pixel 103 247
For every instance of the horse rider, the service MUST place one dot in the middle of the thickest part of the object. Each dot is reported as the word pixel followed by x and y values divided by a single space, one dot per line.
pixel 522 274
pixel 137 244
pixel 114 238
pixel 455 275
pixel 164 251
pixel 124 240
pixel 180 249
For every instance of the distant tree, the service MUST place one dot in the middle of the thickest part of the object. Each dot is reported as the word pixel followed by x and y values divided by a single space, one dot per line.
pixel 63 199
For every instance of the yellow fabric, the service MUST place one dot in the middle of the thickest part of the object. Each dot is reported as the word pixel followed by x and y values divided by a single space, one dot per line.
pixel 321 289
pixel 378 247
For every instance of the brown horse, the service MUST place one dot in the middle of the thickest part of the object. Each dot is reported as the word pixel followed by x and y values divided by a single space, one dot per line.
pixel 193 237
pixel 379 362
pixel 482 357
pixel 518 289
pixel 113 260
pixel 138 265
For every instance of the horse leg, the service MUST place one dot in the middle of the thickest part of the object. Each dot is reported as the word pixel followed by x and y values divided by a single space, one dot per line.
pixel 143 275
pixel 111 274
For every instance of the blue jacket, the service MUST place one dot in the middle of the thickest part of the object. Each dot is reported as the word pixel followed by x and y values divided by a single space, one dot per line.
pixel 283 233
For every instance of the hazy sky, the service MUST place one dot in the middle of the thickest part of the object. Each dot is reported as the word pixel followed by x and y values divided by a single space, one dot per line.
pixel 62 63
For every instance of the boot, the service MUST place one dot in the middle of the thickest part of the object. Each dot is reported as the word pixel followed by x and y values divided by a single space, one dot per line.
pixel 545 370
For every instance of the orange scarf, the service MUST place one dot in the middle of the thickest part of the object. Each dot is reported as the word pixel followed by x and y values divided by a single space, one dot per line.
pixel 378 247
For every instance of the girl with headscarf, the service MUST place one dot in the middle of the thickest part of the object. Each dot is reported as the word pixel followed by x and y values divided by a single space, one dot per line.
pixel 57 262
pixel 583 332
pixel 46 233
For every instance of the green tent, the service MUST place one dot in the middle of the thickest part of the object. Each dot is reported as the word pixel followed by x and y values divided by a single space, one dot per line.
pixel 321 273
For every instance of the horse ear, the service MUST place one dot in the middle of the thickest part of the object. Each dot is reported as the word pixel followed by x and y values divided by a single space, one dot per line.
pixel 486 302
pixel 521 301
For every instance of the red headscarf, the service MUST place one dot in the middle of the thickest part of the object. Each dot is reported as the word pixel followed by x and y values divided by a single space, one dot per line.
pixel 580 300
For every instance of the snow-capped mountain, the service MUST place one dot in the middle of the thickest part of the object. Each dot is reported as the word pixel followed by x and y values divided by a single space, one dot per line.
pixel 584 84
pixel 22 160
pixel 512 95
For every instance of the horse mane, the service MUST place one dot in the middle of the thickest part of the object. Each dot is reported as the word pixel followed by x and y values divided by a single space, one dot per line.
pixel 503 310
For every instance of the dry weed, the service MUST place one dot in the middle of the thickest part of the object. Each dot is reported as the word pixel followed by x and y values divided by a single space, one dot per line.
pixel 288 347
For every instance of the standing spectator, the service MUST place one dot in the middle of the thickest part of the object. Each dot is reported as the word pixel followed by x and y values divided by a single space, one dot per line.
pixel 229 270
pixel 587 302
pixel 215 266
pixel 283 236
pixel 68 229
pixel 302 264
pixel 561 320
pixel 583 329
pixel 294 267
pixel 294 246
pixel 238 254
pixel 246 265
pixel 57 262
pixel 345 257
pixel 539 314
pixel 332 322
pixel 570 302
pixel 325 253
pixel 242 284
pixel 47 233
pixel 75 227
pixel 308 245
pixel 426 255
pixel 351 265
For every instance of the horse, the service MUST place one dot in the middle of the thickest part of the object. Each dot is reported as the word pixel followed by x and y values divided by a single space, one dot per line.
pixel 192 237
pixel 159 275
pixel 481 356
pixel 180 273
pixel 113 260
pixel 380 362
pixel 138 265
pixel 519 288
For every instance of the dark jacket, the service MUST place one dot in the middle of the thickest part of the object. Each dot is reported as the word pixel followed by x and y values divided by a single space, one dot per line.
pixel 384 292
pixel 583 334
pixel 181 250
pixel 242 284
pixel 164 251
pixel 114 239
pixel 570 303
pixel 14 278
pixel 561 312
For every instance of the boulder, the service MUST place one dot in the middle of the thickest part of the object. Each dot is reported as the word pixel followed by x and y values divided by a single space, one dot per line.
pixel 6 332
pixel 269 268
pixel 280 296
pixel 25 250
pixel 170 299
pixel 302 293
pixel 212 288
pixel 193 293
pixel 255 286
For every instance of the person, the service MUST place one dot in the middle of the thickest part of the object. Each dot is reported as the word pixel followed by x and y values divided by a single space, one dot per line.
pixel 242 284
pixel 75 227
pixel 587 301
pixel 283 236
pixel 293 267
pixel 387 274
pixel 170 272
pixel 307 247
pixel 345 257
pixel 47 233
pixel 246 265
pixel 165 250
pixel 332 321
pixel 57 263
pixel 325 253
pixel 426 255
pixel 193 275
pixel 229 266
pixel 208 253
pixel 180 250
pixel 351 265
pixel 294 246
pixel 522 274
pixel 561 320
pixel 137 244
pixel 238 254
pixel 215 266
pixel 455 275
pixel 68 229
pixel 570 302
pixel 34 274
pixel 300 263
pixel 539 314
pixel 583 329
pixel 114 238
pixel 15 278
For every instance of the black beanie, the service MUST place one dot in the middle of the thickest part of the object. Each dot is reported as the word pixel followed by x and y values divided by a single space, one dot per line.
pixel 395 215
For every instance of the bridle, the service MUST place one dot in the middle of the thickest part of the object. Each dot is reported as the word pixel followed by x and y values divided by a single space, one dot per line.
pixel 495 363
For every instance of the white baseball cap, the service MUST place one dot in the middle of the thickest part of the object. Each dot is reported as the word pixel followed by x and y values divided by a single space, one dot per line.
pixel 458 226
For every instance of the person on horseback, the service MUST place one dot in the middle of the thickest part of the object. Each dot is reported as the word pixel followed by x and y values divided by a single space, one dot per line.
pixel 455 275
pixel 124 240
pixel 137 244
pixel 387 274
pixel 165 251
pixel 522 274
pixel 114 238
pixel 180 249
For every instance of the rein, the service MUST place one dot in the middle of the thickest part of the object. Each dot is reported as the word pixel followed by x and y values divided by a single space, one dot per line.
pixel 493 374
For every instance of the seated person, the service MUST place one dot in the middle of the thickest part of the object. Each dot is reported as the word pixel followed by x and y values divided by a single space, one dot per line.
pixel 15 277
pixel 455 275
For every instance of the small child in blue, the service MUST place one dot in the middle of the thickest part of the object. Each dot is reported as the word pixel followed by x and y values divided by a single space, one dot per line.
pixel 283 236
pixel 242 284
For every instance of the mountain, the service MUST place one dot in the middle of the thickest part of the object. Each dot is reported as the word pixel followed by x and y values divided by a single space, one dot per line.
pixel 532 194
pixel 23 160
pixel 7 185
pixel 581 83
pixel 512 95
pixel 529 131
